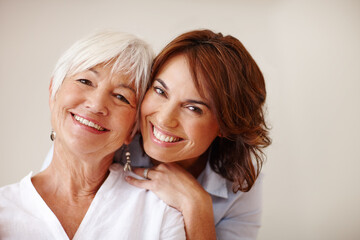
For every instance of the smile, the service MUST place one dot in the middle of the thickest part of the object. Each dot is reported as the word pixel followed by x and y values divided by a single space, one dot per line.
pixel 88 123
pixel 164 138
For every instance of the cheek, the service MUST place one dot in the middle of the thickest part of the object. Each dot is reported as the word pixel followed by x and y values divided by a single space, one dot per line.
pixel 147 104
pixel 68 96
pixel 203 133
pixel 125 120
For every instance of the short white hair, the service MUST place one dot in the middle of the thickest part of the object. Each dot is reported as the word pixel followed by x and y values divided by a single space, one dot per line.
pixel 129 55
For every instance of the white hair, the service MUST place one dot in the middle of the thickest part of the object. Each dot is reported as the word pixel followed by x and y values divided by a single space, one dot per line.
pixel 128 55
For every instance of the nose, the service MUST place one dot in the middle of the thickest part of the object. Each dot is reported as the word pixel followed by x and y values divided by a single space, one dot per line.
pixel 97 102
pixel 167 115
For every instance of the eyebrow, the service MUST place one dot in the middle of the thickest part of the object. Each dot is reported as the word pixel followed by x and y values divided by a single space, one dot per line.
pixel 162 83
pixel 187 100
pixel 94 71
pixel 127 87
pixel 120 85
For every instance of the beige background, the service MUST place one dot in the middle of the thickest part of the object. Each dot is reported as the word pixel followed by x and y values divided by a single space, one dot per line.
pixel 308 51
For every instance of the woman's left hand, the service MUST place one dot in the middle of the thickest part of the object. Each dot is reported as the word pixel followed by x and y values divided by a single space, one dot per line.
pixel 172 184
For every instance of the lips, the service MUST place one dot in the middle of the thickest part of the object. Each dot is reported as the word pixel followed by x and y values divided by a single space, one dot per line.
pixel 88 123
pixel 161 136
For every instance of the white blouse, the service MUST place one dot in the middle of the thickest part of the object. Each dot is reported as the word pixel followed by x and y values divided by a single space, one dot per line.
pixel 236 215
pixel 118 211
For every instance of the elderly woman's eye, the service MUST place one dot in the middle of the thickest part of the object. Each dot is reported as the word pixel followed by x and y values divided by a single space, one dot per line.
pixel 85 81
pixel 122 98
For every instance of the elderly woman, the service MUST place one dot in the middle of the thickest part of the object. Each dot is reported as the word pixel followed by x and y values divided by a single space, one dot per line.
pixel 94 94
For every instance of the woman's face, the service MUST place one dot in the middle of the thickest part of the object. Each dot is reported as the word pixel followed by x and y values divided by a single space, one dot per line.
pixel 176 122
pixel 93 112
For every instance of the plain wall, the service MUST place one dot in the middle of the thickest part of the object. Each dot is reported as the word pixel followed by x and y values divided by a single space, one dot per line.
pixel 308 51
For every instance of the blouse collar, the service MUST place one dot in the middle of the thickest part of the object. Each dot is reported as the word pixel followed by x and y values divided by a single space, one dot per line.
pixel 213 183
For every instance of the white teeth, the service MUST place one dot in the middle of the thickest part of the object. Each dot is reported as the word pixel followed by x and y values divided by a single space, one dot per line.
pixel 164 138
pixel 88 123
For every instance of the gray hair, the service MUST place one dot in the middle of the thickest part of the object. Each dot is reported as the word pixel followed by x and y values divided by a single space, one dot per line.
pixel 128 54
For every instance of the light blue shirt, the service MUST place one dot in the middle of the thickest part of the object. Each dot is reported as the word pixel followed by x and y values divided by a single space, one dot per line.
pixel 236 215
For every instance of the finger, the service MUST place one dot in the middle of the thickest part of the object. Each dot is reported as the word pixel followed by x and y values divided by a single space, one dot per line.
pixel 139 171
pixel 143 172
pixel 145 184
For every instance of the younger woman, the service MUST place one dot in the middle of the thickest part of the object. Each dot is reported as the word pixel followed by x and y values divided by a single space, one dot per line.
pixel 203 127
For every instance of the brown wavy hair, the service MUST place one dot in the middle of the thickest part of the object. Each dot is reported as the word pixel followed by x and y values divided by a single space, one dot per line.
pixel 224 69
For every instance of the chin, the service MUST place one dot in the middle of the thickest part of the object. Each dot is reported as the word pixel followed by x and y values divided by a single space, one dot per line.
pixel 161 157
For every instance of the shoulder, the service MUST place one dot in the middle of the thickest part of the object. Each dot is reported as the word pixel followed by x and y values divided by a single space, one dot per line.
pixel 12 193
pixel 122 189
pixel 140 208
pixel 172 225
pixel 220 188
pixel 247 201
pixel 9 192
pixel 239 213
pixel 13 197
pixel 144 197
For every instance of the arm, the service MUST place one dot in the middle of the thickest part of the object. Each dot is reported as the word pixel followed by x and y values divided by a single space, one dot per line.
pixel 179 189
pixel 199 218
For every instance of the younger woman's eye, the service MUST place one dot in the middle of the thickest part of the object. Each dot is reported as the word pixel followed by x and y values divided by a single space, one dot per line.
pixel 122 98
pixel 159 91
pixel 85 81
pixel 195 109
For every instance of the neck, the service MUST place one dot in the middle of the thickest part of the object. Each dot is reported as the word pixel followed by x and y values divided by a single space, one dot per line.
pixel 194 165
pixel 76 175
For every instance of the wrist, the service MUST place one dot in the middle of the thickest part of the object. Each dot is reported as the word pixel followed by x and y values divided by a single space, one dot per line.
pixel 197 202
pixel 199 218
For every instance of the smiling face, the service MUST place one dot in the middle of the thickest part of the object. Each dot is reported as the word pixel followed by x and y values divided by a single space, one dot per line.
pixel 93 112
pixel 177 124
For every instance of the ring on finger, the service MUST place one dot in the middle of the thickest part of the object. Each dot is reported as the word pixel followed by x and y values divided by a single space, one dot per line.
pixel 146 171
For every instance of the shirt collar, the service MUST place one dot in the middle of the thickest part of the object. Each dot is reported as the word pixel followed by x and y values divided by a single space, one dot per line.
pixel 213 183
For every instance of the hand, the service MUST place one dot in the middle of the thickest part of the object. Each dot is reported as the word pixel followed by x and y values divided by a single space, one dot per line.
pixel 172 184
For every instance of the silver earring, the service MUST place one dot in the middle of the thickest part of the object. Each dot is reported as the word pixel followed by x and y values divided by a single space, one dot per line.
pixel 127 166
pixel 52 135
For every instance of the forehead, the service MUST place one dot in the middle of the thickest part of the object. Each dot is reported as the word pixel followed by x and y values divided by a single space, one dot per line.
pixel 183 66
pixel 182 79
pixel 175 72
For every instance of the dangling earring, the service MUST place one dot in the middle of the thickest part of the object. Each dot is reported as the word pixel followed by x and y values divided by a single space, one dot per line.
pixel 52 135
pixel 127 166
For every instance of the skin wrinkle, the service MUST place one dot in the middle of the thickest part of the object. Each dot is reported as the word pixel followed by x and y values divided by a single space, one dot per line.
pixel 82 155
